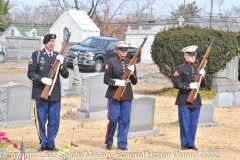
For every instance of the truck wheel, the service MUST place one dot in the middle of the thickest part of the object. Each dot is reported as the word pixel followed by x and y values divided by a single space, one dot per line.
pixel 97 66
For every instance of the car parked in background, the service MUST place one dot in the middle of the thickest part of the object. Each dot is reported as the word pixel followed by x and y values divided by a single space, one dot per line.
pixel 94 52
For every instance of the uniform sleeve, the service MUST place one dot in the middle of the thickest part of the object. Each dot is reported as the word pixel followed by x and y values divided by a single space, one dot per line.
pixel 133 77
pixel 64 70
pixel 108 74
pixel 32 69
pixel 177 80
pixel 203 82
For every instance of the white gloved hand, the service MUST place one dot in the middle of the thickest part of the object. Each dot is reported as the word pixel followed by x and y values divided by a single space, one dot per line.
pixel 60 58
pixel 120 83
pixel 131 68
pixel 202 72
pixel 193 85
pixel 46 81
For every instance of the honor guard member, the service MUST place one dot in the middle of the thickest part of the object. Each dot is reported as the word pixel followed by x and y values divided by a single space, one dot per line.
pixel 188 114
pixel 46 111
pixel 119 111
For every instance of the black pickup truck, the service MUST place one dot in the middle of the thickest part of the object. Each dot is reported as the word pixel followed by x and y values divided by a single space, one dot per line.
pixel 94 52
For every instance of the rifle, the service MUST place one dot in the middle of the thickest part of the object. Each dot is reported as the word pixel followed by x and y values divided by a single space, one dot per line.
pixel 193 92
pixel 55 67
pixel 118 94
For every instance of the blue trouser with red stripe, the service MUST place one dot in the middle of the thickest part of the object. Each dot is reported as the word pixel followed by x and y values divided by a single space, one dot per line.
pixel 47 111
pixel 118 114
pixel 188 119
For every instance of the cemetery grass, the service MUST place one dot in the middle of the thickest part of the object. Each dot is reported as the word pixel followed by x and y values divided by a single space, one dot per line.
pixel 219 142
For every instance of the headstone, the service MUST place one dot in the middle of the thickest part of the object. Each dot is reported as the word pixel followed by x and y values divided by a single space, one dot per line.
pixel 3 46
pixel 206 116
pixel 15 105
pixel 236 98
pixel 223 99
pixel 142 117
pixel 66 83
pixel 93 101
pixel 2 58
pixel 151 80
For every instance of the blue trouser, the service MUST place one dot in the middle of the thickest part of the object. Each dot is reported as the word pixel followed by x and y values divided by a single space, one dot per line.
pixel 47 111
pixel 188 119
pixel 118 114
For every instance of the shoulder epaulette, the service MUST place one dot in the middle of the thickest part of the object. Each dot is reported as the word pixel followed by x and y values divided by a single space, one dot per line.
pixel 114 58
pixel 181 64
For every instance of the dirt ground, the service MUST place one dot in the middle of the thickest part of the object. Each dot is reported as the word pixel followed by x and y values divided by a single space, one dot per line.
pixel 220 142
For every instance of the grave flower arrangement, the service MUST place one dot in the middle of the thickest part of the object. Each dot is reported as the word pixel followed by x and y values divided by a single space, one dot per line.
pixel 5 142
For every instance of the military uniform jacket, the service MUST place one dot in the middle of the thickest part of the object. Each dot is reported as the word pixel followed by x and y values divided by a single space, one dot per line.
pixel 183 75
pixel 39 66
pixel 115 70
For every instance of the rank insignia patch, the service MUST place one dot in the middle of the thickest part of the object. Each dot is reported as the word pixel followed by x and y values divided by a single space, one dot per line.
pixel 106 67
pixel 30 61
pixel 176 74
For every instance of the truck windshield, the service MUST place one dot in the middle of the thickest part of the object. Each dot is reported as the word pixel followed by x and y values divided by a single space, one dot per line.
pixel 93 42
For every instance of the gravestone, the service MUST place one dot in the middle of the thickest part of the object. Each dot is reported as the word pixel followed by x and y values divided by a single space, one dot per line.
pixel 142 117
pixel 66 83
pixel 93 101
pixel 206 116
pixel 3 46
pixel 151 80
pixel 15 105
pixel 223 99
pixel 236 98
pixel 2 58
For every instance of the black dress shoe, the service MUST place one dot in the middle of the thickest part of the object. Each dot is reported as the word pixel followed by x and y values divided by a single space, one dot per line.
pixel 53 149
pixel 40 149
pixel 108 146
pixel 193 147
pixel 124 149
pixel 184 148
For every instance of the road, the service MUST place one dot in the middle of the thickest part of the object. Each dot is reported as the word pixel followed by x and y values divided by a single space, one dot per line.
pixel 22 77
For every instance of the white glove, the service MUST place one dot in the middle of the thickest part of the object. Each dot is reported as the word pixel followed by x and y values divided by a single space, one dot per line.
pixel 60 58
pixel 202 72
pixel 46 81
pixel 193 85
pixel 131 68
pixel 120 83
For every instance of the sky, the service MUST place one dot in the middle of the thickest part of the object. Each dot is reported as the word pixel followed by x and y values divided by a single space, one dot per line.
pixel 169 4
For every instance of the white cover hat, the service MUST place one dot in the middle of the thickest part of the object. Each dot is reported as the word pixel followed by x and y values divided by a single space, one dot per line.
pixel 122 45
pixel 190 49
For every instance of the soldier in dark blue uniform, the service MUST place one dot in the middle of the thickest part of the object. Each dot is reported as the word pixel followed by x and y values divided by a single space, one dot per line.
pixel 39 67
pixel 188 114
pixel 119 111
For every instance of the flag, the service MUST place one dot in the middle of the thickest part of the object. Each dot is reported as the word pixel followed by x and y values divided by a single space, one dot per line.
pixel 22 157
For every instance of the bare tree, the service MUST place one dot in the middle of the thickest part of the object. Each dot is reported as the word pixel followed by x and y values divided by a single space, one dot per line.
pixel 220 3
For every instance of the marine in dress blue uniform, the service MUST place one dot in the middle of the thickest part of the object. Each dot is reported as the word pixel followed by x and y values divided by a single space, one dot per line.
pixel 46 111
pixel 119 111
pixel 188 114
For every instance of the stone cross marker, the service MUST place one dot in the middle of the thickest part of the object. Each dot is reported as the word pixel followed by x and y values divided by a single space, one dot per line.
pixel 180 20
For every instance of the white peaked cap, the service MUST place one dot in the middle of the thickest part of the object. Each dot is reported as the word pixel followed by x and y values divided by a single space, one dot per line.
pixel 122 44
pixel 190 49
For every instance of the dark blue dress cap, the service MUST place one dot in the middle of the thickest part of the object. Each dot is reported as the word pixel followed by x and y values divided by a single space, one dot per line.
pixel 48 37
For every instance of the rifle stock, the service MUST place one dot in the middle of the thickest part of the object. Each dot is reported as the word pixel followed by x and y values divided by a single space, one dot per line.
pixel 118 94
pixel 191 96
pixel 53 70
